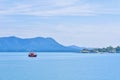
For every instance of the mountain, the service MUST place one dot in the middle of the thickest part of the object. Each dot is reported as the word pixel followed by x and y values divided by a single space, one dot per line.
pixel 40 44
pixel 76 47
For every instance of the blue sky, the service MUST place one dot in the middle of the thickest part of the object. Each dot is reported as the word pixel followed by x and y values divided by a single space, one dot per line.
pixel 89 23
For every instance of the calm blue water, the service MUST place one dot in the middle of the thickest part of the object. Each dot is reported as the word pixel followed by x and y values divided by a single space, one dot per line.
pixel 59 66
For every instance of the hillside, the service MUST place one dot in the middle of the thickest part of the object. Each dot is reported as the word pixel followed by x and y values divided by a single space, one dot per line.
pixel 40 44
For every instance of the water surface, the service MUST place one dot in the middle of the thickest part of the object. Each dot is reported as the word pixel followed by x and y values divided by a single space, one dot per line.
pixel 59 66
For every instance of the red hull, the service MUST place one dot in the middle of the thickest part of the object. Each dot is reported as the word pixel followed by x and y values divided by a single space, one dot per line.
pixel 32 54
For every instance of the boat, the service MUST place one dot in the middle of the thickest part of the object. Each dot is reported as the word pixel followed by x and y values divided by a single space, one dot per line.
pixel 32 54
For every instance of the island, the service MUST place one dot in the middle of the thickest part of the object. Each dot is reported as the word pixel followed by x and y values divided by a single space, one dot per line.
pixel 109 49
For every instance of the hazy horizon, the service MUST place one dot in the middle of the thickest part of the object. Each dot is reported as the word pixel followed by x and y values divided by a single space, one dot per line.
pixel 85 23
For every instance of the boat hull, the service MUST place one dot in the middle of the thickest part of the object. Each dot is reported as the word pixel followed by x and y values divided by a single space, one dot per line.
pixel 32 55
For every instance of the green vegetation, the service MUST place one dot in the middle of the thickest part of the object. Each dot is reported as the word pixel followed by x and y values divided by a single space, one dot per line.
pixel 109 49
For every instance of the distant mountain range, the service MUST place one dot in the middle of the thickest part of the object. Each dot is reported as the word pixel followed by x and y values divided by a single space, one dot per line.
pixel 39 44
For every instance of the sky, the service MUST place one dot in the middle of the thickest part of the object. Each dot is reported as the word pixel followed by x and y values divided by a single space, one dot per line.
pixel 85 23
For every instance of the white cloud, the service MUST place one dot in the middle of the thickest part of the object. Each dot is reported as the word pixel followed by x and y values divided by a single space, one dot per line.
pixel 107 11
pixel 70 11
pixel 64 11
pixel 64 2
pixel 56 8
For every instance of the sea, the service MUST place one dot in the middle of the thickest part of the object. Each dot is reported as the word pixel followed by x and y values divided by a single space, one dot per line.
pixel 59 66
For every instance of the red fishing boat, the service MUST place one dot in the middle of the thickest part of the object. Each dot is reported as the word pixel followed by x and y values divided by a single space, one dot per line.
pixel 32 54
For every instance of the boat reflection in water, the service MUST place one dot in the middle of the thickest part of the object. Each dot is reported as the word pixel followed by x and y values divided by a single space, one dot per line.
pixel 32 54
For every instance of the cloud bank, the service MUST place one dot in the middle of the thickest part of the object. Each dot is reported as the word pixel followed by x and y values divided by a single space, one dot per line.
pixel 56 8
